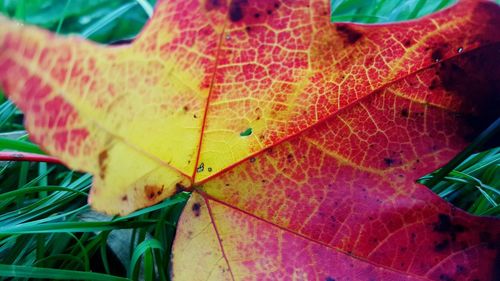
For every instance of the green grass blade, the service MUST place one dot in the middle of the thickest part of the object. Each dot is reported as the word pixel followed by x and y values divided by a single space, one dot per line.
pixel 28 190
pixel 382 11
pixel 141 249
pixel 164 204
pixel 63 16
pixel 18 271
pixel 30 228
pixel 107 19
pixel 148 9
pixel 486 135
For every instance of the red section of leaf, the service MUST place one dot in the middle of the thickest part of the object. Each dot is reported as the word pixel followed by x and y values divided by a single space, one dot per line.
pixel 339 201
pixel 234 245
pixel 348 184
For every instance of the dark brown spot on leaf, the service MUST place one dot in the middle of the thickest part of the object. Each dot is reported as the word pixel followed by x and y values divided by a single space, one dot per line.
pixel 351 35
pixel 196 209
pixel 236 10
pixel 460 269
pixel 103 156
pixel 441 246
pixel 445 277
pixel 153 191
pixel 124 198
pixel 445 225
pixel 404 112
pixel 179 187
pixel 214 4
pixel 437 55
pixel 388 161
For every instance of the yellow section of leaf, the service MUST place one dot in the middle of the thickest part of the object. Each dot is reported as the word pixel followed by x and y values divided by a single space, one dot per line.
pixel 198 231
pixel 91 101
pixel 129 181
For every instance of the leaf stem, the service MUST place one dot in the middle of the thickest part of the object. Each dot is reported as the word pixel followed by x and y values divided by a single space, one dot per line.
pixel 32 157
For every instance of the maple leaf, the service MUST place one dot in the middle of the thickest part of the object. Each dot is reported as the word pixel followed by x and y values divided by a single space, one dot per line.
pixel 301 139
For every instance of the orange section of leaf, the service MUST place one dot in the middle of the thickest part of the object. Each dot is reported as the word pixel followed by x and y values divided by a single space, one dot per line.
pixel 348 185
pixel 301 69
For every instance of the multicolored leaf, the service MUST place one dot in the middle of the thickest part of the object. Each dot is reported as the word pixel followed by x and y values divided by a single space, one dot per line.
pixel 301 139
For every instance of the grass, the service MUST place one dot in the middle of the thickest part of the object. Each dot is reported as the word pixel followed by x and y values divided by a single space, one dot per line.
pixel 49 232
pixel 471 180
pixel 44 217
pixel 382 11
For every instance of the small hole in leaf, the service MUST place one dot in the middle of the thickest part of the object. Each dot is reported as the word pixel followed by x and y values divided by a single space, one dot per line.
pixel 201 168
pixel 246 133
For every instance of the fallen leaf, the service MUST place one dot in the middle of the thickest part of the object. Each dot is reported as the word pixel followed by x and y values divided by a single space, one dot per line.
pixel 301 139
